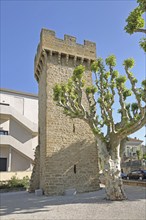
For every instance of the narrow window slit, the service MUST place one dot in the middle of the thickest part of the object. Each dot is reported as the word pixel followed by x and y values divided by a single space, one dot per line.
pixel 73 128
pixel 75 169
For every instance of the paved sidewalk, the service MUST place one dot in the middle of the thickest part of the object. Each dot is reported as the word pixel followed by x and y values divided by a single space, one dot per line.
pixel 86 206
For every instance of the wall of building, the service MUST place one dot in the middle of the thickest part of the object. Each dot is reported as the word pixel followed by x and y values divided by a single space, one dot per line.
pixel 70 143
pixel 4 152
pixel 133 145
pixel 19 132
pixel 19 117
pixel 24 104
pixel 4 176
pixel 16 161
pixel 19 162
pixel 41 171
pixel 4 124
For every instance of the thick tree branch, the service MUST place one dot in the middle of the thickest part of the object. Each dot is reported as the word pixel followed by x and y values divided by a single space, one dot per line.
pixel 141 30
pixel 109 103
pixel 138 98
pixel 101 102
pixel 124 113
pixel 111 84
pixel 79 99
pixel 135 125
pixel 106 109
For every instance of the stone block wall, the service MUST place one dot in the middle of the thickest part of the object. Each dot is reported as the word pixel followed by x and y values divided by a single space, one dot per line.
pixel 35 180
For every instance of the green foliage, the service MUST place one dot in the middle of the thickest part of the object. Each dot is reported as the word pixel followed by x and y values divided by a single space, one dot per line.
pixel 95 66
pixel 91 89
pixel 106 75
pixel 115 73
pixel 128 106
pixel 129 63
pixel 108 96
pixel 25 182
pixel 111 61
pixel 134 107
pixel 131 74
pixel 144 156
pixel 57 91
pixel 101 64
pixel 139 154
pixel 134 80
pixel 144 84
pixel 120 111
pixel 142 44
pixel 96 131
pixel 83 83
pixel 14 182
pixel 105 84
pixel 143 91
pixel 143 95
pixel 134 21
pixel 64 88
pixel 78 72
pixel 126 93
pixel 137 117
pixel 100 100
pixel 121 80
pixel 142 4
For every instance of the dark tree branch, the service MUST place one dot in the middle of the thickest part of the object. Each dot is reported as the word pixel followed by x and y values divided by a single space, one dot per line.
pixel 141 30
pixel 135 125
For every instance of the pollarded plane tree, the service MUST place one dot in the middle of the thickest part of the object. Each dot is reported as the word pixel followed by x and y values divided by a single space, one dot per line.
pixel 101 97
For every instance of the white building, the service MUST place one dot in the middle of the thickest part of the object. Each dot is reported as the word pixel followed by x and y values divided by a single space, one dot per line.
pixel 132 146
pixel 18 130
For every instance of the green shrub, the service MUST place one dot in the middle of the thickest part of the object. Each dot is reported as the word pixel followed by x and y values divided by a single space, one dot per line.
pixel 14 182
pixel 25 182
pixel 144 156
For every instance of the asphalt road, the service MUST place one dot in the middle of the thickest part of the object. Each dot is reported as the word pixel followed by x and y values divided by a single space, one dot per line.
pixel 86 206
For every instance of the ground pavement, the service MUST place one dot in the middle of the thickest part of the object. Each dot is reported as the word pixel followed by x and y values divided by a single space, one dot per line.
pixel 85 206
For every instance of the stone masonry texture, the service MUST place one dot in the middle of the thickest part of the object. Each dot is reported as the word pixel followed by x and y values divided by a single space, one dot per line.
pixel 68 153
pixel 34 181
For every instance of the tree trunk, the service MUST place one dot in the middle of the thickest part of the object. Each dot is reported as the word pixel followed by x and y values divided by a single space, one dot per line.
pixel 113 181
pixel 112 170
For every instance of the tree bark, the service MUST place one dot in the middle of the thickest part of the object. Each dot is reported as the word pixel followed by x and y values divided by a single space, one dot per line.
pixel 111 167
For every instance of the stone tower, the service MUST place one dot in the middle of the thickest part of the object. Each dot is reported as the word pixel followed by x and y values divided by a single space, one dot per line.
pixel 68 153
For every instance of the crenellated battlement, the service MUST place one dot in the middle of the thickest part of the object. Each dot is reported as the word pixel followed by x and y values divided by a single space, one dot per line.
pixel 48 35
pixel 66 51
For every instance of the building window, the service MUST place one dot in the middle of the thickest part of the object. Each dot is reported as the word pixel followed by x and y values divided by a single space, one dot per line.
pixel 3 132
pixel 3 164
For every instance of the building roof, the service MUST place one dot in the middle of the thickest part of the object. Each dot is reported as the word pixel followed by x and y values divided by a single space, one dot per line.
pixel 10 91
pixel 134 140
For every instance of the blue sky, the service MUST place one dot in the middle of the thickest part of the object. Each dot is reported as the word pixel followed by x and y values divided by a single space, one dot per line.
pixel 99 21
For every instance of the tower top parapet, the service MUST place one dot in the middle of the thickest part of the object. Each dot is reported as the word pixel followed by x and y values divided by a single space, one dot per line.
pixel 49 41
pixel 67 46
